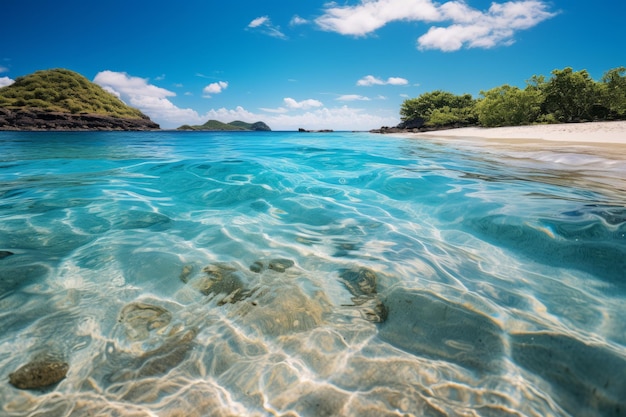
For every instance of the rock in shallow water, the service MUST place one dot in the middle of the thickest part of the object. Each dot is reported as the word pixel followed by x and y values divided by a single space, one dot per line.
pixel 359 281
pixel 278 265
pixel 39 374
pixel 362 282
pixel 140 318
pixel 222 278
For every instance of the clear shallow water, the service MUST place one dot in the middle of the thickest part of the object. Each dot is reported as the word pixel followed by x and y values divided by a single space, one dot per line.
pixel 194 274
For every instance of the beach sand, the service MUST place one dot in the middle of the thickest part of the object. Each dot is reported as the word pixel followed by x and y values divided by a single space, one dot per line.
pixel 589 133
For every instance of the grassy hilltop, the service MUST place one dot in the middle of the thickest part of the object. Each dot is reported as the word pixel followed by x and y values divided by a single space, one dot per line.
pixel 61 90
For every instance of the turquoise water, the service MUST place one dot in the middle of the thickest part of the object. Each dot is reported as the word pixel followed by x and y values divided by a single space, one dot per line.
pixel 302 274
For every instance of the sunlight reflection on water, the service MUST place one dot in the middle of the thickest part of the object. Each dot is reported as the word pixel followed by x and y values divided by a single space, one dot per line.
pixel 290 274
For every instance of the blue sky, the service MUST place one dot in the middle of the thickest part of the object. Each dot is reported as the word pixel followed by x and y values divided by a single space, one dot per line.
pixel 345 65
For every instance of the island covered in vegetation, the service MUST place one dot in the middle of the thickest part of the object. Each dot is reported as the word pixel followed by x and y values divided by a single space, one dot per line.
pixel 236 125
pixel 567 96
pixel 60 99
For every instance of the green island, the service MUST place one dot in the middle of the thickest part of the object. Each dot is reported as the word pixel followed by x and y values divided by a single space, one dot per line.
pixel 568 96
pixel 214 125
pixel 60 99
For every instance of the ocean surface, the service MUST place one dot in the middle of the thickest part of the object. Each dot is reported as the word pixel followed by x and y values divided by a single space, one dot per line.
pixel 305 274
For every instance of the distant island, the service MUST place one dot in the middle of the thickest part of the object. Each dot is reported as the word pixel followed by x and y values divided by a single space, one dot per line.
pixel 60 99
pixel 214 125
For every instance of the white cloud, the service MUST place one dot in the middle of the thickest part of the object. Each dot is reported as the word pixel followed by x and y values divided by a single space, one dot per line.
pixel 148 98
pixel 125 84
pixel 259 21
pixel 304 104
pixel 265 26
pixel 227 116
pixel 277 110
pixel 297 20
pixel 495 27
pixel 370 80
pixel 5 81
pixel 370 15
pixel 3 69
pixel 352 97
pixel 214 88
pixel 469 27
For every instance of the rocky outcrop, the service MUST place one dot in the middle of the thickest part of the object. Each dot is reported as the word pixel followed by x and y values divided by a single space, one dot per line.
pixel 36 119
pixel 413 125
pixel 315 131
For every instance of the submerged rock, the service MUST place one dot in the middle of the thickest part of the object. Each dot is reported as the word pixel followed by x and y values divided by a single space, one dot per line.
pixel 168 356
pixel 184 274
pixel 283 309
pixel 257 266
pixel 371 309
pixel 361 282
pixel 278 265
pixel 585 378
pixel 427 325
pixel 5 253
pixel 222 278
pixel 40 373
pixel 140 318
pixel 158 361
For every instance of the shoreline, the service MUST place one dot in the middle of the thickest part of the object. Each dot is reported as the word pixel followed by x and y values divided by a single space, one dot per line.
pixel 594 133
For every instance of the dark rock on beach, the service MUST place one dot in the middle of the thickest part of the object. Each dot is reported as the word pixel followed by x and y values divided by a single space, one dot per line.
pixel 39 374
pixel 32 119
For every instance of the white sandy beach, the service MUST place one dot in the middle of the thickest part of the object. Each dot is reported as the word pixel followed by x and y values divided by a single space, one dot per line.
pixel 592 133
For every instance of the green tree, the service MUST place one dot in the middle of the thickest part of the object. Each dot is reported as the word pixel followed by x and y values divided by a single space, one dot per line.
pixel 440 108
pixel 509 106
pixel 571 96
pixel 614 92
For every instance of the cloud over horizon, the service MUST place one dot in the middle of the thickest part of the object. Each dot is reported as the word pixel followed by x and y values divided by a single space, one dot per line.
pixel 469 27
pixel 309 113
pixel 304 104
pixel 148 98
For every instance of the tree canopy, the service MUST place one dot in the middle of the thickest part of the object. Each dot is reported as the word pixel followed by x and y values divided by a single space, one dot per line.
pixel 567 96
